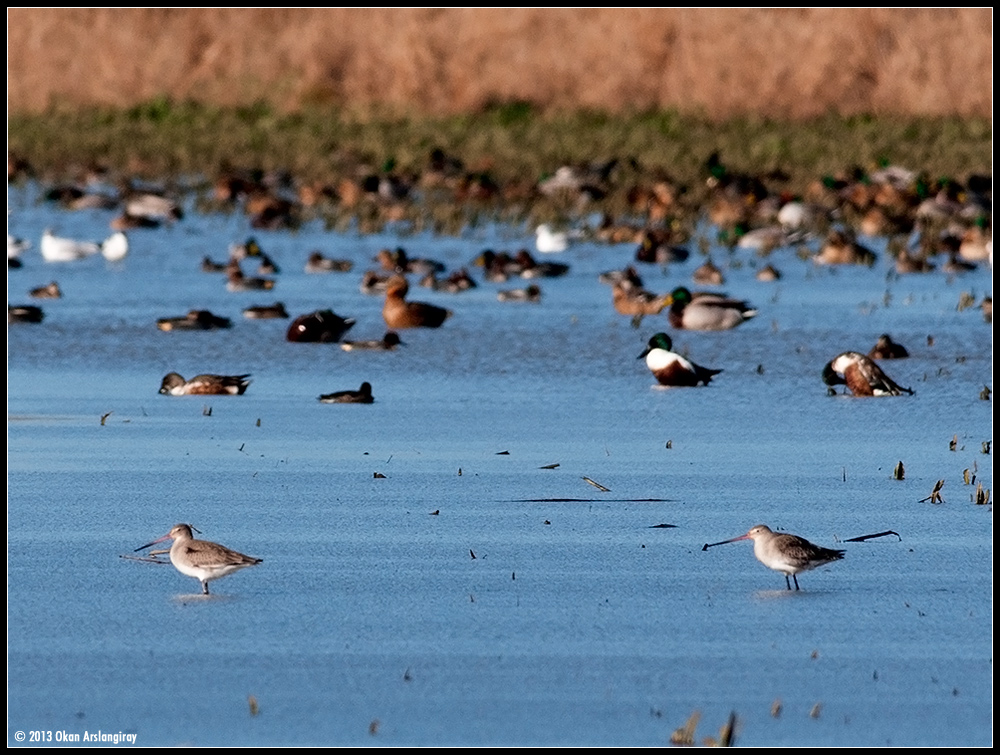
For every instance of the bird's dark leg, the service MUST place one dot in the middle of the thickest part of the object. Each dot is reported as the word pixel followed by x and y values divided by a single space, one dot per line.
pixel 787 583
pixel 796 581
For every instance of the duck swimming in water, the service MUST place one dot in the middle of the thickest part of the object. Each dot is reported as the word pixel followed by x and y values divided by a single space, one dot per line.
pixel 706 311
pixel 672 369
pixel 861 376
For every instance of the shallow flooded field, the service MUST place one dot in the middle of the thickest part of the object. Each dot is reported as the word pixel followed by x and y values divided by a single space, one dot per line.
pixel 438 566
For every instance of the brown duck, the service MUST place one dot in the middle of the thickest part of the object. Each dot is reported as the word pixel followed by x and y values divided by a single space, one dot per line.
pixel 399 313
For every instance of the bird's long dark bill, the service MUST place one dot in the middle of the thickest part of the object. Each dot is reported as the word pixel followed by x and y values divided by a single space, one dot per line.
pixel 143 547
pixel 732 540
pixel 643 354
pixel 830 377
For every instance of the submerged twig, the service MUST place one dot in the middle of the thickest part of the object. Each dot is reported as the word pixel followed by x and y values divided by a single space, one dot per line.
pixel 863 538
pixel 146 559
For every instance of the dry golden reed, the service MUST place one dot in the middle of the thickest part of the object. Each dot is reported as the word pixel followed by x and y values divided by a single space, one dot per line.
pixel 777 63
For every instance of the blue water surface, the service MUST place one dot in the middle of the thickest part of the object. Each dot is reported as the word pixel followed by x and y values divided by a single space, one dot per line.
pixel 437 570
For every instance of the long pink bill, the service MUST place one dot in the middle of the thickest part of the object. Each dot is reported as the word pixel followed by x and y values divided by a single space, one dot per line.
pixel 143 547
pixel 732 540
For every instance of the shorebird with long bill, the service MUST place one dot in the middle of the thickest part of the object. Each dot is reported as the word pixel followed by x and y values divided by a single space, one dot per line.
pixel 789 554
pixel 201 559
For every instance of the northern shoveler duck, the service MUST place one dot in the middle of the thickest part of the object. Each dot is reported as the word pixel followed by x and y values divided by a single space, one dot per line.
pixel 274 311
pixel 196 319
pixel 204 385
pixel 841 248
pixel 886 348
pixel 388 342
pixel 399 313
pixel 60 249
pixel 115 247
pixel 672 369
pixel 24 313
pixel 530 293
pixel 321 326
pixel 861 376
pixel 201 559
pixel 706 311
pixel 51 291
pixel 708 274
pixel 317 263
pixel 361 396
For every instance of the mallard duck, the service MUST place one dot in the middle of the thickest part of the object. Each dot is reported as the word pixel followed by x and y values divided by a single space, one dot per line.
pixel 706 311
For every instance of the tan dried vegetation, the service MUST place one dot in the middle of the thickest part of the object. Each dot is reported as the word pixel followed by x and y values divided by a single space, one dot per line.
pixel 779 63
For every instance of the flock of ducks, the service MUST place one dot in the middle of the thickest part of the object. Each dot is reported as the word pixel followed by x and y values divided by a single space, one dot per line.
pixel 951 223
